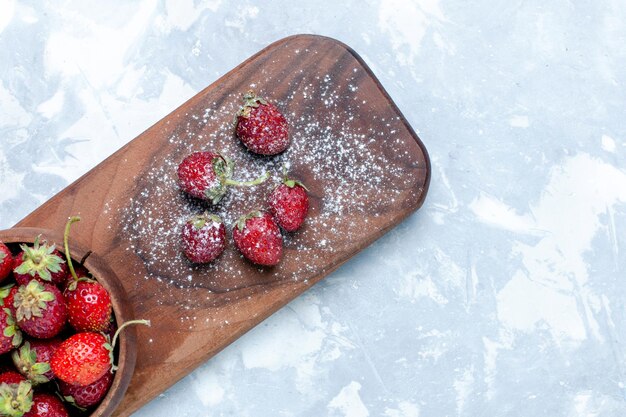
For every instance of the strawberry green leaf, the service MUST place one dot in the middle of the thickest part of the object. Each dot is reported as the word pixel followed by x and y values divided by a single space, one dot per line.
pixel 25 390
pixel 220 167
pixel 31 300
pixel 27 353
pixel 39 260
pixel 5 291
pixel 17 339
pixel 214 218
pixel 241 223
pixel 292 183
pixel 215 193
pixel 198 222
pixel 70 400
pixel 25 359
pixel 23 269
pixel 16 400
pixel 40 368
pixel 45 275
pixel 22 314
pixel 9 331
pixel 228 167
pixel 47 296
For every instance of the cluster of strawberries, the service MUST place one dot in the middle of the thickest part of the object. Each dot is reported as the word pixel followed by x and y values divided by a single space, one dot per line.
pixel 42 355
pixel 207 175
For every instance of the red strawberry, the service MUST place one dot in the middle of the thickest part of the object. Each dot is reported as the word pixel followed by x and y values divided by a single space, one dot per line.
pixel 10 335
pixel 82 359
pixel 87 396
pixel 88 306
pixel 6 262
pixel 111 329
pixel 88 302
pixel 261 126
pixel 11 377
pixel 289 204
pixel 40 309
pixel 207 175
pixel 16 396
pixel 7 295
pixel 204 238
pixel 258 238
pixel 42 262
pixel 32 359
pixel 46 405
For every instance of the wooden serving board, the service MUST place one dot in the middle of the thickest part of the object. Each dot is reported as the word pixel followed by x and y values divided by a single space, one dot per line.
pixel 365 167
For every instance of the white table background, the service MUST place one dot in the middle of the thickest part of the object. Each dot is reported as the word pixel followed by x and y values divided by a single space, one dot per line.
pixel 503 296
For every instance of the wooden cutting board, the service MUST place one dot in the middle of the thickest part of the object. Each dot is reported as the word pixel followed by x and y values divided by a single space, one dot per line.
pixel 365 167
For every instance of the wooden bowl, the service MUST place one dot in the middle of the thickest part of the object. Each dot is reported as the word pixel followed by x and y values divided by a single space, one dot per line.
pixel 122 309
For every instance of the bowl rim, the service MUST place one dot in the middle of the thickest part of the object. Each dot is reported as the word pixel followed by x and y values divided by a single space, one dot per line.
pixel 121 307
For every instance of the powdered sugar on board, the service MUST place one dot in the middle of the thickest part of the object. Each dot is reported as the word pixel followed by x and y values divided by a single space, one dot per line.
pixel 352 188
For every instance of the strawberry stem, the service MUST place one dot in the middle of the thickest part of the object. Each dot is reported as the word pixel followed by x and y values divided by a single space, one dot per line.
pixel 128 323
pixel 66 236
pixel 257 181
pixel 111 347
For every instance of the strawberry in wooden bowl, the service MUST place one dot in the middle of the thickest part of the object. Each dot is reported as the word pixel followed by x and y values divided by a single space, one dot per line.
pixel 60 328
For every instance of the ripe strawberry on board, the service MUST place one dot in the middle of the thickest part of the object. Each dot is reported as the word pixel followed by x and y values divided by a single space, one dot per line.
pixel 16 395
pixel 207 175
pixel 40 309
pixel 89 395
pixel 258 238
pixel 261 127
pixel 289 204
pixel 46 405
pixel 32 359
pixel 41 261
pixel 204 238
pixel 6 262
pixel 88 302
pixel 10 335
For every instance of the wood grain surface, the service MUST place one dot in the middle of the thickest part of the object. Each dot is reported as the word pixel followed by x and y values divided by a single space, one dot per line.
pixel 365 167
